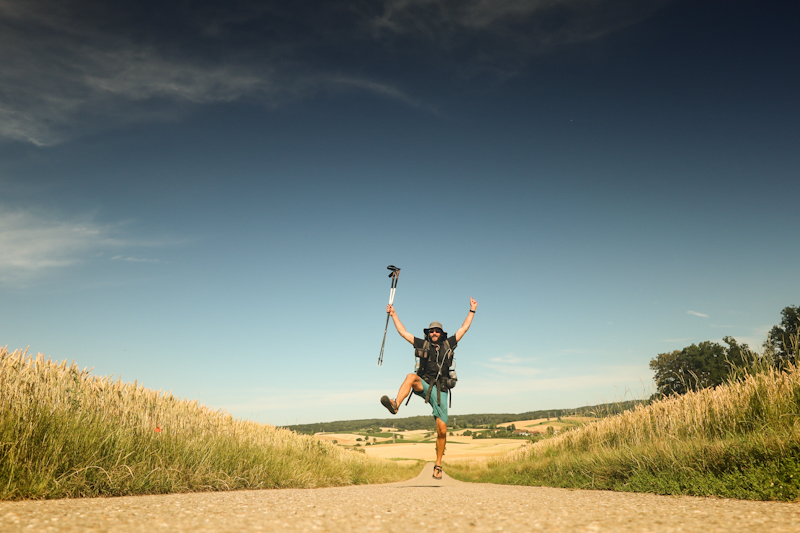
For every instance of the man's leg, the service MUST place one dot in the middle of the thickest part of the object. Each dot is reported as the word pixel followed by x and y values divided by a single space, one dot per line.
pixel 412 382
pixel 441 440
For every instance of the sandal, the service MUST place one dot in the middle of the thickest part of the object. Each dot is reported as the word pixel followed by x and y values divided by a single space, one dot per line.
pixel 437 469
pixel 389 404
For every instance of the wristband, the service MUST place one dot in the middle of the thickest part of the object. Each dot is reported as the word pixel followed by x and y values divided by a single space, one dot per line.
pixel 471 311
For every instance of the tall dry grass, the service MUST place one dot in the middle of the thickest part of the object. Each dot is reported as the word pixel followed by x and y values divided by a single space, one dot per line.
pixel 66 433
pixel 741 439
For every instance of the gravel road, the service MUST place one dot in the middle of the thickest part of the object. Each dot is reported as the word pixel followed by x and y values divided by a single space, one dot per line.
pixel 415 505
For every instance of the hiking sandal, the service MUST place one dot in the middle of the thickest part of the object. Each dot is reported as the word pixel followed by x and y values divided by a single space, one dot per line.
pixel 389 404
pixel 437 469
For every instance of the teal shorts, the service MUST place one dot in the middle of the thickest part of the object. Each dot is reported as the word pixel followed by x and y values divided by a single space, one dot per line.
pixel 439 411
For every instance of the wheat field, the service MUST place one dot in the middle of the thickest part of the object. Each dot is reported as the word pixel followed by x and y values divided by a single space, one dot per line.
pixel 740 439
pixel 66 433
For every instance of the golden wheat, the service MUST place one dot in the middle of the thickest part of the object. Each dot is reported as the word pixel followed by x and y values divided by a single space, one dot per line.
pixel 740 439
pixel 64 432
pixel 766 400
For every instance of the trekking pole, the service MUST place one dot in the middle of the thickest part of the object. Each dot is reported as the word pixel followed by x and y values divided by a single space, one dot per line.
pixel 394 275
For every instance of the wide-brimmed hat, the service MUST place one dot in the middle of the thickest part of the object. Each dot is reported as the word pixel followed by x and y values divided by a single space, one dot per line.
pixel 435 325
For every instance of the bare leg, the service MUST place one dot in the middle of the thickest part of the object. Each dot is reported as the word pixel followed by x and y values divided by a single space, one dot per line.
pixel 441 440
pixel 412 382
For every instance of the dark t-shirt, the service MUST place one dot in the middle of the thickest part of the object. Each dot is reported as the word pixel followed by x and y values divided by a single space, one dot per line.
pixel 432 362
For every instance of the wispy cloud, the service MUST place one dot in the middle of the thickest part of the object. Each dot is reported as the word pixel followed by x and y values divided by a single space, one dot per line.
pixel 53 99
pixel 602 377
pixel 510 30
pixel 577 351
pixel 135 259
pixel 510 364
pixel 277 399
pixel 66 71
pixel 35 243
pixel 555 19
pixel 69 68
pixel 508 359
pixel 512 370
pixel 381 89
pixel 695 313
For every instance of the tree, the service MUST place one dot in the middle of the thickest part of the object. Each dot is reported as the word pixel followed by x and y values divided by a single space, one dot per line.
pixel 698 366
pixel 782 340
pixel 736 355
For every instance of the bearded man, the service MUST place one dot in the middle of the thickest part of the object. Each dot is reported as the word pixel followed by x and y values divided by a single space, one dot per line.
pixel 435 353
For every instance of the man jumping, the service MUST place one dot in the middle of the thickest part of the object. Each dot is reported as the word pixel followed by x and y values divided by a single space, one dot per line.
pixel 430 382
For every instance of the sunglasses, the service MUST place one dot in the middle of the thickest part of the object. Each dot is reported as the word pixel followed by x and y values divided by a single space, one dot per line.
pixel 435 330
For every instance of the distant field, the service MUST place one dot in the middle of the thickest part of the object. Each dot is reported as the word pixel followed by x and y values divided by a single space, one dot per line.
pixel 458 448
pixel 539 425
pixel 392 443
pixel 420 444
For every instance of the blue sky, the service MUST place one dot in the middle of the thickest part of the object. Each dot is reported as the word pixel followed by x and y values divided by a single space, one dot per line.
pixel 204 196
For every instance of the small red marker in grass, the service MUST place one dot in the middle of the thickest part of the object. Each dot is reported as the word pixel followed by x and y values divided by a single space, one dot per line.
pixel 157 429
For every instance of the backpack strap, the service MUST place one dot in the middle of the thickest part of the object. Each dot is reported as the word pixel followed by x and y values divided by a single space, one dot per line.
pixel 422 353
pixel 452 351
pixel 430 389
pixel 431 385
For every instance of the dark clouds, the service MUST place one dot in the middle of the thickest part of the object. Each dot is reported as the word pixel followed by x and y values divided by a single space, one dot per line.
pixel 74 66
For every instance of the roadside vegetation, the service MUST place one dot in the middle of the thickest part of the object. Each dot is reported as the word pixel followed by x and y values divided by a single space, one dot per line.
pixel 740 439
pixel 65 433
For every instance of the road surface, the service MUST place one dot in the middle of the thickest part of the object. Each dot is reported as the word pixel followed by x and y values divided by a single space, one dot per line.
pixel 420 504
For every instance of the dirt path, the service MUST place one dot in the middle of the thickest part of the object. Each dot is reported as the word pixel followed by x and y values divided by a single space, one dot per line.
pixel 415 505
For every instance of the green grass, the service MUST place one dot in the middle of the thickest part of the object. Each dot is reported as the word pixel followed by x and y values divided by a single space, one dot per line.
pixel 65 433
pixel 739 440
pixel 755 469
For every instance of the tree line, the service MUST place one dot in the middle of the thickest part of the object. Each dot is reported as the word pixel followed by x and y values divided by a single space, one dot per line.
pixel 709 364
pixel 488 420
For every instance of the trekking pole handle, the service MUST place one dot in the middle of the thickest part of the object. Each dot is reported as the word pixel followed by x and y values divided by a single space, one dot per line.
pixel 394 274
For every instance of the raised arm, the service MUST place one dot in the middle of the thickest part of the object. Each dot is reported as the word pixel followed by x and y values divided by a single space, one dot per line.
pixel 473 305
pixel 399 325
